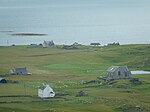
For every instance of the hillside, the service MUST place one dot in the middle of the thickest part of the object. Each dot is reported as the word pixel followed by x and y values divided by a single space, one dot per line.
pixel 64 69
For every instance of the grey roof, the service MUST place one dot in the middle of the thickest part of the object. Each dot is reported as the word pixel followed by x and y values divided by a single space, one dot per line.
pixel 1 79
pixel 23 70
pixel 95 44
pixel 42 87
pixel 114 68
pixel 49 43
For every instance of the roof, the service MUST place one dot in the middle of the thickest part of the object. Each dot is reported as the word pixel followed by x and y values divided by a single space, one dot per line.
pixel 45 86
pixel 95 44
pixel 42 87
pixel 114 68
pixel 2 79
pixel 23 70
pixel 75 43
pixel 49 42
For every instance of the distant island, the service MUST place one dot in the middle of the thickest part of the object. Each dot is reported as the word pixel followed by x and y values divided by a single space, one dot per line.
pixel 28 34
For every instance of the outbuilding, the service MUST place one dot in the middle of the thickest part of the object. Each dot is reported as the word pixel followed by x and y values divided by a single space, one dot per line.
pixel 19 71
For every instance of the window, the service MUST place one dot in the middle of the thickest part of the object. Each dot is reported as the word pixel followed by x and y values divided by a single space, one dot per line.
pixel 119 73
pixel 126 74
pixel 51 92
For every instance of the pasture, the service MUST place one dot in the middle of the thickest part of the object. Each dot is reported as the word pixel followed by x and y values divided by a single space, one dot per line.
pixel 64 70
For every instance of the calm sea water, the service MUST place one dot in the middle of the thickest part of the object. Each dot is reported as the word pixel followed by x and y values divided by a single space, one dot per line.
pixel 140 72
pixel 83 21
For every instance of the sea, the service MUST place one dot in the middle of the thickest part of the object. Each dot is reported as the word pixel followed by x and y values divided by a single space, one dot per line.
pixel 69 21
pixel 140 72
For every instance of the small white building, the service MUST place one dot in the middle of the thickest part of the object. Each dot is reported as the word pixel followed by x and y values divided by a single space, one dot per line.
pixel 48 44
pixel 45 91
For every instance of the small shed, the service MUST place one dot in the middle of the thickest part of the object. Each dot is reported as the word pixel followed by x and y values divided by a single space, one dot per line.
pixel 48 44
pixel 45 91
pixel 19 71
pixel 118 72
pixel 2 80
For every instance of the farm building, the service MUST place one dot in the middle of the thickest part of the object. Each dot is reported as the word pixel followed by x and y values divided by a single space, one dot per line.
pixel 33 46
pixel 95 44
pixel 19 71
pixel 45 91
pixel 118 72
pixel 113 44
pixel 2 80
pixel 48 44
pixel 69 47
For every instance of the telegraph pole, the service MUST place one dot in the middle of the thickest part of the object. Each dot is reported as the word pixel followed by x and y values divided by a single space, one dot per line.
pixel 25 89
pixel 7 42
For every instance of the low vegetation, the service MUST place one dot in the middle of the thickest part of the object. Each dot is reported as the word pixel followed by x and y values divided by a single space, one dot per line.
pixel 65 70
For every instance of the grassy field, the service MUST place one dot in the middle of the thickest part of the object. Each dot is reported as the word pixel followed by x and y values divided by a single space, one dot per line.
pixel 64 69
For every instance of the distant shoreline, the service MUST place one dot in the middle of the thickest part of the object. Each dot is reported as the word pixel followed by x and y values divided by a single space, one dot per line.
pixel 5 31
pixel 70 44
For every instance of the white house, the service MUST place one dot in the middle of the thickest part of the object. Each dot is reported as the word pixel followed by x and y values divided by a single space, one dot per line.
pixel 45 91
pixel 48 44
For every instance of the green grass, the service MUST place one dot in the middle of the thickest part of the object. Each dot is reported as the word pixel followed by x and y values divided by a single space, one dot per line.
pixel 64 69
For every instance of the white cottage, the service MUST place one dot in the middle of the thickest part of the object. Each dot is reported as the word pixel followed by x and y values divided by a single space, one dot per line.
pixel 45 91
pixel 48 44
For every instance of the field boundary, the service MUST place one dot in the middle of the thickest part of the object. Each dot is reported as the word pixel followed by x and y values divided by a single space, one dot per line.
pixel 31 101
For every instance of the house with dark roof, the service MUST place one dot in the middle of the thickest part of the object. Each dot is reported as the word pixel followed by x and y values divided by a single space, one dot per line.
pixel 45 91
pixel 19 71
pixel 95 44
pixel 2 80
pixel 117 72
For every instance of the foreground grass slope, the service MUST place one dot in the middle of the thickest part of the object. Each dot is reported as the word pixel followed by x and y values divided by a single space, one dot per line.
pixel 64 69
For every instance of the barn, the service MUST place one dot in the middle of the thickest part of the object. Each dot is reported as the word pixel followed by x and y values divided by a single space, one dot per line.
pixel 118 72
pixel 45 91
